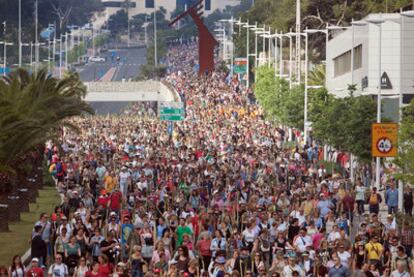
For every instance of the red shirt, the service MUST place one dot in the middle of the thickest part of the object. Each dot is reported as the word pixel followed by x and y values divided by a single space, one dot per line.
pixel 93 274
pixel 103 201
pixel 35 272
pixel 116 200
pixel 105 270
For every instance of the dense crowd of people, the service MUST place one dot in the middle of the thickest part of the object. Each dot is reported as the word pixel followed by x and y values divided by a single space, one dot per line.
pixel 219 196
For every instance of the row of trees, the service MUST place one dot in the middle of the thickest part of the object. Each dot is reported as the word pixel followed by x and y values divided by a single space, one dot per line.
pixel 344 123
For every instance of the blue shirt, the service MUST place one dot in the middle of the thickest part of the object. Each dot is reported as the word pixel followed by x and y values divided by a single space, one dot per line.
pixel 340 271
pixel 324 207
pixel 391 197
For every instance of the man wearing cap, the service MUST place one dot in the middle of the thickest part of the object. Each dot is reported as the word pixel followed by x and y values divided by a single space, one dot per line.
pixel 35 270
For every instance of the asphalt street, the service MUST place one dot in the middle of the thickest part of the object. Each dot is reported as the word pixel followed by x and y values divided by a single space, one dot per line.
pixel 127 67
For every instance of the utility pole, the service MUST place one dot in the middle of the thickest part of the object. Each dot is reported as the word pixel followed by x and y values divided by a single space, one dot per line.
pixel 297 50
pixel 20 33
pixel 129 31
pixel 5 44
pixel 66 50
pixel 36 36
pixel 155 35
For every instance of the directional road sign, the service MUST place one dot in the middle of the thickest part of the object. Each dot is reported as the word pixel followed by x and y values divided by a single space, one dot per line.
pixel 173 111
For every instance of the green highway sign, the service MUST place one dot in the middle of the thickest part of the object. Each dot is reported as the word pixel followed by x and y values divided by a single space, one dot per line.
pixel 171 111
pixel 172 117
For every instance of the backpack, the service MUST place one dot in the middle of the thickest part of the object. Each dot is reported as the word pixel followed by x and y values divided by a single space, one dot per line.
pixel 373 199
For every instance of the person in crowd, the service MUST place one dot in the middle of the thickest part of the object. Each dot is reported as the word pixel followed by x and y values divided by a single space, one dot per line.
pixel 35 270
pixel 17 268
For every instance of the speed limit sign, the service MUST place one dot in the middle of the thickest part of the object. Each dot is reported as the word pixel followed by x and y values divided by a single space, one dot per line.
pixel 384 139
pixel 384 145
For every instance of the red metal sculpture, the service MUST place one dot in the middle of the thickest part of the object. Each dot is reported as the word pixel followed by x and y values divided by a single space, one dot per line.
pixel 206 41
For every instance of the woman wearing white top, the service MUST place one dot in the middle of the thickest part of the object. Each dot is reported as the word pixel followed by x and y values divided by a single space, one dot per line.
pixel 17 268
pixel 81 269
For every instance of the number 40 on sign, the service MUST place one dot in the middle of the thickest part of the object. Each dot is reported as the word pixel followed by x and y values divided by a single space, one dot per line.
pixel 384 139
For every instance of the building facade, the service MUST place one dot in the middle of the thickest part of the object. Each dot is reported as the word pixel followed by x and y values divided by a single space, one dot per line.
pixel 395 68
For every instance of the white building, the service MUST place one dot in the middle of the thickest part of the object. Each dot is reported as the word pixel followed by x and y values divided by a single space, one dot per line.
pixel 397 58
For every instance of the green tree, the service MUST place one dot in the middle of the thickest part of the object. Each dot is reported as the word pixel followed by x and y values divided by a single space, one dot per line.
pixel 405 156
pixel 33 109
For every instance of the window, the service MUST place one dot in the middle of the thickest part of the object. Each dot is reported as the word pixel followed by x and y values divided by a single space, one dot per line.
pixel 149 4
pixel 207 5
pixel 358 57
pixel 342 63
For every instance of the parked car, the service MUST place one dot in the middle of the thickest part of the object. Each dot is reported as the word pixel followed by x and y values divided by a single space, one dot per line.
pixel 97 59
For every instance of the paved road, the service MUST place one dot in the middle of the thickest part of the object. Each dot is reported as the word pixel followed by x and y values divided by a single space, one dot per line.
pixel 128 66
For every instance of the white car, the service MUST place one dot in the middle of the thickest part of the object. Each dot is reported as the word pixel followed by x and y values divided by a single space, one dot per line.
pixel 96 59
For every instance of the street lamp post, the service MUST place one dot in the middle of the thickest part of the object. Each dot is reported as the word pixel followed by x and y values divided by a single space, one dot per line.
pixel 378 22
pixel 20 33
pixel 5 44
pixel 307 32
pixel 66 35
pixel 155 35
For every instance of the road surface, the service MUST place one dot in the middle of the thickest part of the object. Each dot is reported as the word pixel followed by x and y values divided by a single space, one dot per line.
pixel 128 65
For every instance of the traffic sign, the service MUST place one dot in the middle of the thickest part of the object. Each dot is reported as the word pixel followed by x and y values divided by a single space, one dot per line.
pixel 240 65
pixel 384 139
pixel 172 111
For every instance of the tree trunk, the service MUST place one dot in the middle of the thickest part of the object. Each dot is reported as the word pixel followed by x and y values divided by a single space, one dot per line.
pixel 4 221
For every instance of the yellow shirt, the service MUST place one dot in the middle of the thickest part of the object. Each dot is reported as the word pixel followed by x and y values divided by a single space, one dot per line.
pixel 374 250
pixel 110 183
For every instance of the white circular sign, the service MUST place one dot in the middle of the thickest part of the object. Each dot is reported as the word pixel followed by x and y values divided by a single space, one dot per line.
pixel 384 145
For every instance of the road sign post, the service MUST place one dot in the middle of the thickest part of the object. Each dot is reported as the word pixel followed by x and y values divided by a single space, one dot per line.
pixel 171 111
pixel 384 139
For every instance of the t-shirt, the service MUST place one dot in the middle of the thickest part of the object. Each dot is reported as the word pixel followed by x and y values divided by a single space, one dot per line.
pixel 35 272
pixel 126 231
pixel 58 270
pixel 181 230
pixel 116 200
pixel 344 257
pixel 374 250
pixel 359 193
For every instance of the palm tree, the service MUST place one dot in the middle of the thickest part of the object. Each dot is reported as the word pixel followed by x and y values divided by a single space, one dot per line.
pixel 317 76
pixel 33 110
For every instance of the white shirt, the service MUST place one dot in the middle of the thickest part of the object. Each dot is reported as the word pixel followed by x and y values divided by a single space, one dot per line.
pixel 288 270
pixel 396 273
pixel 302 242
pixel 249 235
pixel 58 270
pixel 344 257
pixel 333 236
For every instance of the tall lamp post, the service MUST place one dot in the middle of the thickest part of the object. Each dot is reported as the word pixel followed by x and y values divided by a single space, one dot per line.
pixel 20 33
pixel 155 35
pixel 306 123
pixel 378 22
pixel 247 26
